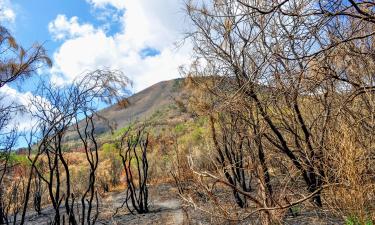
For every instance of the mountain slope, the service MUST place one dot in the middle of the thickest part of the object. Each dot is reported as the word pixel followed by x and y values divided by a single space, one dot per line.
pixel 158 100
pixel 143 104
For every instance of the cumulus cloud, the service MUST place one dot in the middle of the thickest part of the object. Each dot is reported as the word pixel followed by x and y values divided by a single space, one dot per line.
pixel 21 120
pixel 62 28
pixel 7 14
pixel 81 54
pixel 156 23
pixel 119 4
pixel 144 48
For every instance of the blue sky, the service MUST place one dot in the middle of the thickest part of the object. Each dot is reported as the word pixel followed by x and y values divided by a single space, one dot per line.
pixel 32 18
pixel 137 37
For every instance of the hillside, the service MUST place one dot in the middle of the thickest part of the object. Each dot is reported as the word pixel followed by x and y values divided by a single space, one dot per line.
pixel 144 104
pixel 156 103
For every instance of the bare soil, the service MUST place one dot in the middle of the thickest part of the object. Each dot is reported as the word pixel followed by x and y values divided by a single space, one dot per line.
pixel 167 209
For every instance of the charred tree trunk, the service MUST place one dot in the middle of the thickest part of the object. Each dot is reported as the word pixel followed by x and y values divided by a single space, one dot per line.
pixel 134 149
pixel 90 144
pixel 231 150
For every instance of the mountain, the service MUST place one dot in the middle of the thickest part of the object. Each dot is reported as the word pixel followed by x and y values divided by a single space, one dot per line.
pixel 159 103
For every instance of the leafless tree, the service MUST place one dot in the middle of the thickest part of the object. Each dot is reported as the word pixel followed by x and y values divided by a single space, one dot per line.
pixel 297 67
pixel 133 148
pixel 38 192
pixel 16 63
pixel 56 110
pixel 91 150
pixel 232 151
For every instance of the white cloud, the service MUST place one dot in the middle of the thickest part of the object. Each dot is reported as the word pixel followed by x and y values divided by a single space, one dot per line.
pixel 88 52
pixel 156 24
pixel 119 4
pixel 154 69
pixel 7 14
pixel 21 120
pixel 62 28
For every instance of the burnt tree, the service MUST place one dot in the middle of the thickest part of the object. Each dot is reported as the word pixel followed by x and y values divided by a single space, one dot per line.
pixel 133 152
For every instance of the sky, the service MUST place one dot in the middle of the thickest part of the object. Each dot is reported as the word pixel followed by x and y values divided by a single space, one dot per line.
pixel 141 38
pixel 137 37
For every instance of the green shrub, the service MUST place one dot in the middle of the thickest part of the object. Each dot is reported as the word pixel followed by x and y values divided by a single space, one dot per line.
pixel 197 134
pixel 295 210
pixel 120 132
pixel 19 159
pixel 180 128
pixel 354 220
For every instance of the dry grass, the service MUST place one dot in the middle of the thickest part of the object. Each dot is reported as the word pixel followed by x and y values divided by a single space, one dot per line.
pixel 351 165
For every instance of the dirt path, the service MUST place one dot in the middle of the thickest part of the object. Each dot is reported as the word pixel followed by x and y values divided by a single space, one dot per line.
pixel 165 208
pixel 173 206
